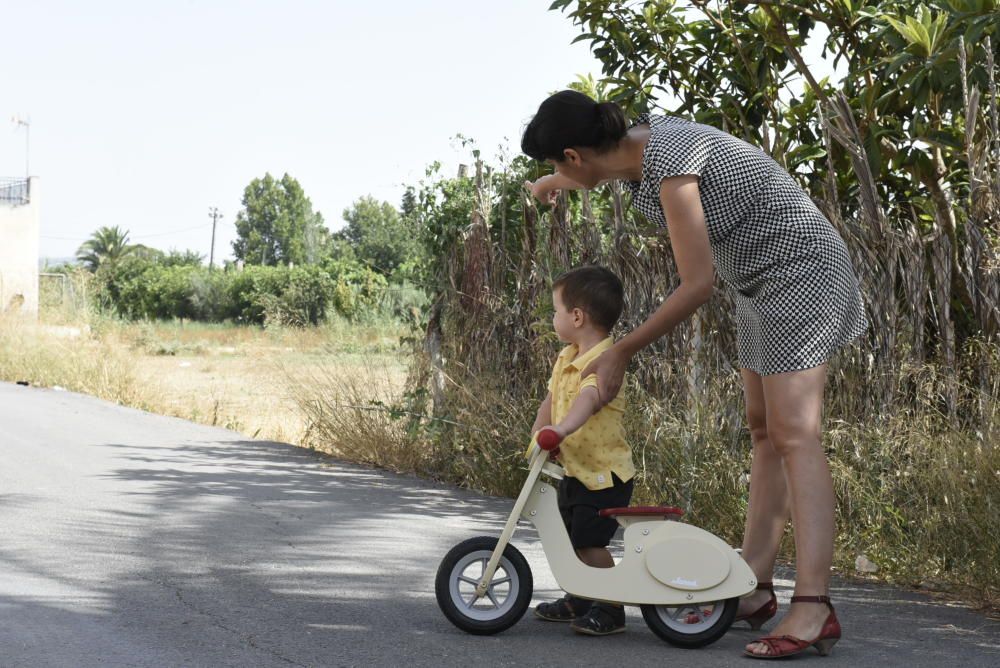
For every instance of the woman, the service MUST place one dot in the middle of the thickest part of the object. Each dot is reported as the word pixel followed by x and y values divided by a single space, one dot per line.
pixel 729 208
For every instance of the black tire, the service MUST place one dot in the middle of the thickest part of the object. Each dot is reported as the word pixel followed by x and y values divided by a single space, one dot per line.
pixel 483 621
pixel 701 633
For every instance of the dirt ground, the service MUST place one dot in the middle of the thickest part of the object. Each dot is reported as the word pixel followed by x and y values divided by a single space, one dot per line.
pixel 243 379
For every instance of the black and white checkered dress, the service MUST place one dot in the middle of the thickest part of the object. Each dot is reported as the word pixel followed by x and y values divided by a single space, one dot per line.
pixel 789 273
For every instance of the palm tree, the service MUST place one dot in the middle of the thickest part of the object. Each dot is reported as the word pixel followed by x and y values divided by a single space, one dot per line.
pixel 107 244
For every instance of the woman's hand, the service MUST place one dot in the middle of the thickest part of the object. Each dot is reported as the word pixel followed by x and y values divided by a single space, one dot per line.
pixel 545 189
pixel 610 369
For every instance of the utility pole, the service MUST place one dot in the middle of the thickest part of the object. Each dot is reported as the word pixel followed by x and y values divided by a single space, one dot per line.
pixel 214 214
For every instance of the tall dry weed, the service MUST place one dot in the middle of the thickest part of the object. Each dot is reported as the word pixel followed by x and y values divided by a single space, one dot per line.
pixel 73 358
pixel 348 415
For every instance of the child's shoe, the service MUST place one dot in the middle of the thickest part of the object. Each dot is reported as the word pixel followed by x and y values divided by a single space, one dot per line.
pixel 601 620
pixel 565 609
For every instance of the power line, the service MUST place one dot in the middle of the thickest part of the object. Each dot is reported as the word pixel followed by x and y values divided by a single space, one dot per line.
pixel 164 234
pixel 138 236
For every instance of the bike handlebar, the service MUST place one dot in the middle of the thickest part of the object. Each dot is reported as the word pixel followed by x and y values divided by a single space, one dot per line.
pixel 548 439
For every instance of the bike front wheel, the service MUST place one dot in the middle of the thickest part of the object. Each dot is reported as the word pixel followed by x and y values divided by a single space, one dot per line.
pixel 507 596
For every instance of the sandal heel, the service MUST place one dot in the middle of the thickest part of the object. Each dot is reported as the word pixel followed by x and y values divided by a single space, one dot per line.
pixel 824 646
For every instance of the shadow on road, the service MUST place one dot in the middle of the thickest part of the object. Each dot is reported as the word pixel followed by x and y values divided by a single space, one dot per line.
pixel 248 549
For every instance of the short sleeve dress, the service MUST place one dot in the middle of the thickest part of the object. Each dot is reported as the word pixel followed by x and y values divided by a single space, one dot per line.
pixel 795 292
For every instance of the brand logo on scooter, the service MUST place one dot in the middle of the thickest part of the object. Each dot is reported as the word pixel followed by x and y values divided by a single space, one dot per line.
pixel 684 583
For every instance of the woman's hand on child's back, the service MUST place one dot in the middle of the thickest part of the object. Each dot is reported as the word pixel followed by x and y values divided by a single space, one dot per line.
pixel 610 369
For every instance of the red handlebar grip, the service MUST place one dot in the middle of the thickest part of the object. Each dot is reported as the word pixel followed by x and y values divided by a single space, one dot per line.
pixel 548 439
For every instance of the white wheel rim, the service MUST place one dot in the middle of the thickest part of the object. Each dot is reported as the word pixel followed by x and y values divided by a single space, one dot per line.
pixel 500 595
pixel 691 619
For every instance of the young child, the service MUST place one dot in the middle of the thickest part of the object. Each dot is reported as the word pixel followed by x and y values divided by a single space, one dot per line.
pixel 598 462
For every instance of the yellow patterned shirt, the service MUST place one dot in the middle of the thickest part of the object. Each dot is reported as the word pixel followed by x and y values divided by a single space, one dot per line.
pixel 598 448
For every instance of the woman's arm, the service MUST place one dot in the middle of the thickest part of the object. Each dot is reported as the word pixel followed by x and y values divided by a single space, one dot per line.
pixel 547 188
pixel 681 203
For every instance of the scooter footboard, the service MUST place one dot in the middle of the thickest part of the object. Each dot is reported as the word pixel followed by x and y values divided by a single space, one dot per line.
pixel 664 563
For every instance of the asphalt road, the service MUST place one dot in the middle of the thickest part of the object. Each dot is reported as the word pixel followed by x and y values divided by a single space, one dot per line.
pixel 130 539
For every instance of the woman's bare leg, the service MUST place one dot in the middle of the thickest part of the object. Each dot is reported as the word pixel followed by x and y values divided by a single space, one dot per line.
pixel 794 405
pixel 767 513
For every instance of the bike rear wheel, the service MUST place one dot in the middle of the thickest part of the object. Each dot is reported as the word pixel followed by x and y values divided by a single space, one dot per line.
pixel 691 625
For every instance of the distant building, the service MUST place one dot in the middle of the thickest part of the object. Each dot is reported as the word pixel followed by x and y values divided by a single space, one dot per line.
pixel 19 225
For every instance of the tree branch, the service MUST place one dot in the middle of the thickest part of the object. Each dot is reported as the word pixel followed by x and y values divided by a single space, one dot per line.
pixel 794 54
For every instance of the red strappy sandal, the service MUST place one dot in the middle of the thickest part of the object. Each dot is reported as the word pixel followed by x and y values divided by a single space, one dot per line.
pixel 781 646
pixel 765 612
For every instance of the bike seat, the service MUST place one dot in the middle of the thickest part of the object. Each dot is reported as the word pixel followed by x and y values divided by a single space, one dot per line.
pixel 642 511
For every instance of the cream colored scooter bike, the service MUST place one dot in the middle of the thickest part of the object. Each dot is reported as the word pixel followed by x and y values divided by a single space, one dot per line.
pixel 686 581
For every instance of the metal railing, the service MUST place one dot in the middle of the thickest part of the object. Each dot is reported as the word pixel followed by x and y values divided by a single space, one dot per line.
pixel 15 191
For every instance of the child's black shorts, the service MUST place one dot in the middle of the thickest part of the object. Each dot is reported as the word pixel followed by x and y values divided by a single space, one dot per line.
pixel 579 505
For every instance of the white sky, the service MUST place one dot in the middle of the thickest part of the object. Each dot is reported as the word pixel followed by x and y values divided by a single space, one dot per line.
pixel 145 114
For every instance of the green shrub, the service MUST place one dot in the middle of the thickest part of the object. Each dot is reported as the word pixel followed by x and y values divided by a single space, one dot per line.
pixel 153 288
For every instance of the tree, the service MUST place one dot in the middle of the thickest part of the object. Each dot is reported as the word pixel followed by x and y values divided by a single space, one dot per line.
pixel 178 258
pixel 278 225
pixel 906 135
pixel 739 66
pixel 379 235
pixel 106 246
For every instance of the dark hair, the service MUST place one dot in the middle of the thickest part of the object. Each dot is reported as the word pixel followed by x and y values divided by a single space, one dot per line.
pixel 570 119
pixel 594 290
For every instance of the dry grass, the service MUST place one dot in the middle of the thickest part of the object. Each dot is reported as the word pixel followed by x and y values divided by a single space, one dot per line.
pixel 240 378
pixel 347 413
pixel 243 378
pixel 71 358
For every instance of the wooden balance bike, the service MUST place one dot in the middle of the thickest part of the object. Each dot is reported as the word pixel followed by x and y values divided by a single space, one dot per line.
pixel 686 581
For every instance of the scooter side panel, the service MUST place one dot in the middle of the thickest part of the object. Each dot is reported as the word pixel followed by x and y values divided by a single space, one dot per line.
pixel 688 563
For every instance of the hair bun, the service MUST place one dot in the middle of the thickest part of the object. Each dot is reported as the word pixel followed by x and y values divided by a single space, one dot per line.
pixel 612 121
pixel 571 119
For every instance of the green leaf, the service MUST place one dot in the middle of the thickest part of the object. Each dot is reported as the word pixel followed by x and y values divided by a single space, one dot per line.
pixel 874 150
pixel 920 32
pixel 906 30
pixel 925 18
pixel 807 153
pixel 943 139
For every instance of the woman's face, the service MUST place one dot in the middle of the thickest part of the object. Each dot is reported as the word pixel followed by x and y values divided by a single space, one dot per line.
pixel 577 168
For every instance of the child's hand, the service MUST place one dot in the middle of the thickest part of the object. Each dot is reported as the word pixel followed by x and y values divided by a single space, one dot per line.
pixel 557 429
pixel 551 437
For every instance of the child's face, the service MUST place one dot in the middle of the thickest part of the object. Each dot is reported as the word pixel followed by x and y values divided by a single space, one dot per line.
pixel 565 321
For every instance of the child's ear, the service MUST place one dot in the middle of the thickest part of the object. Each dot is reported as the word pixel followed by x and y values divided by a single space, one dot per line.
pixel 578 317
